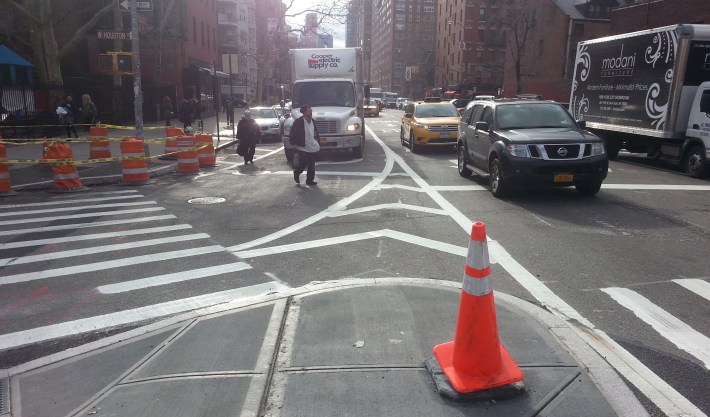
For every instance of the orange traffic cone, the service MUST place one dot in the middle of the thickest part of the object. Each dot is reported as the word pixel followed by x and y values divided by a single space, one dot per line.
pixel 476 360
pixel 187 163
pixel 171 134
pixel 135 167
pixel 5 187
pixel 205 153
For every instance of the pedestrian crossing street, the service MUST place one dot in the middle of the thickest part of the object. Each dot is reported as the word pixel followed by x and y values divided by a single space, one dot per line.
pixel 79 250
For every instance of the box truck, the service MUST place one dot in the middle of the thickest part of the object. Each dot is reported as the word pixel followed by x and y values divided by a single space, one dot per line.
pixel 331 82
pixel 648 92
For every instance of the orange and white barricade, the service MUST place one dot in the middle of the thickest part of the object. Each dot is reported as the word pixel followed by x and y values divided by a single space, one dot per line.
pixel 134 167
pixel 205 150
pixel 171 135
pixel 66 177
pixel 5 187
pixel 476 361
pixel 99 148
pixel 187 163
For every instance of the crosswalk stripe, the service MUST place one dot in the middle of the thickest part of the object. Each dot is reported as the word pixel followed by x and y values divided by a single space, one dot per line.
pixel 79 216
pixel 97 266
pixel 698 286
pixel 76 226
pixel 74 208
pixel 55 203
pixel 94 236
pixel 667 325
pixel 155 281
pixel 100 249
pixel 39 334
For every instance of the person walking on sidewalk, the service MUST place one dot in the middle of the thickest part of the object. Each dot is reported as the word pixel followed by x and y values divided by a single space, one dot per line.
pixel 248 132
pixel 68 115
pixel 88 111
pixel 304 138
pixel 229 110
pixel 185 113
pixel 166 110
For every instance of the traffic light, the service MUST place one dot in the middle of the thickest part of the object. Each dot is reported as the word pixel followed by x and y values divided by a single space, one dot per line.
pixel 116 63
pixel 415 69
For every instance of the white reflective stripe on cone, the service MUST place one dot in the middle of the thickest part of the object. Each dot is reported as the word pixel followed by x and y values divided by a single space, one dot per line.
pixel 477 258
pixel 185 143
pixel 477 286
pixel 135 170
pixel 137 154
pixel 187 161
pixel 66 176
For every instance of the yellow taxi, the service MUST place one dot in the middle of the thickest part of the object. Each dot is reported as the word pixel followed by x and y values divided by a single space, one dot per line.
pixel 372 109
pixel 429 123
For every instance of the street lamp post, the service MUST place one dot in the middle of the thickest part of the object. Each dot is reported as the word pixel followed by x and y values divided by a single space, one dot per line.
pixel 465 46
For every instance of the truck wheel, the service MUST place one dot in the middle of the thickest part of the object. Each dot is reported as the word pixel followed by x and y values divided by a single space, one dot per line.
pixel 289 154
pixel 588 189
pixel 612 148
pixel 357 152
pixel 695 162
pixel 498 186
pixel 463 171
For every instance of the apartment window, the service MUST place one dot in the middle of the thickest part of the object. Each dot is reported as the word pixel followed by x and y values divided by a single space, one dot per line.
pixel 428 9
pixel 541 47
pixel 401 7
pixel 399 17
pixel 481 35
pixel 418 18
pixel 419 9
pixel 482 15
pixel 399 26
pixel 479 57
pixel 194 29
pixel 579 29
pixel 410 18
pixel 411 7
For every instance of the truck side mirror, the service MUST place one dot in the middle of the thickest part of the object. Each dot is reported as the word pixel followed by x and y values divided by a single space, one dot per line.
pixel 482 126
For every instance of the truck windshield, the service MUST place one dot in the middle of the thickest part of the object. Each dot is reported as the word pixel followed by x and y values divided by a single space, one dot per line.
pixel 323 93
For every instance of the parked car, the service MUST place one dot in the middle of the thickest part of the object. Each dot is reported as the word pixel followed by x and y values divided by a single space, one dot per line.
pixel 401 102
pixel 527 142
pixel 372 109
pixel 268 119
pixel 429 123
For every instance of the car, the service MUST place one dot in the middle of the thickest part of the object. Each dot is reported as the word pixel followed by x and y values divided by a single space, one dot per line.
pixel 460 103
pixel 429 123
pixel 372 109
pixel 268 119
pixel 401 101
pixel 521 143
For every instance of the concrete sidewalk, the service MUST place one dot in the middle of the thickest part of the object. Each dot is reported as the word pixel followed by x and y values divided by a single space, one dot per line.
pixel 340 348
pixel 35 176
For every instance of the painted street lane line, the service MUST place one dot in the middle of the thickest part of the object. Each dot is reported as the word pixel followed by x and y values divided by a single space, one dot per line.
pixel 100 249
pixel 74 201
pixel 676 187
pixel 698 286
pixel 86 225
pixel 76 208
pixel 165 279
pixel 119 318
pixel 391 206
pixel 80 216
pixel 54 241
pixel 667 325
pixel 93 267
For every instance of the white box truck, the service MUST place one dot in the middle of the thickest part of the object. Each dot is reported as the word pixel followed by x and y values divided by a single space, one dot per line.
pixel 648 92
pixel 331 81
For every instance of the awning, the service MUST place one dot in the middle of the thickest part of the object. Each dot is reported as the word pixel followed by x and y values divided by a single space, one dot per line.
pixel 9 57
pixel 219 74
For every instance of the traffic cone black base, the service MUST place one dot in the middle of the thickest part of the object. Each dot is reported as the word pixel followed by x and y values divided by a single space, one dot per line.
pixel 446 390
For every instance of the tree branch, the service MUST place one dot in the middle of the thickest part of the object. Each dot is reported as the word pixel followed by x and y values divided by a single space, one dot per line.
pixel 79 34
pixel 24 11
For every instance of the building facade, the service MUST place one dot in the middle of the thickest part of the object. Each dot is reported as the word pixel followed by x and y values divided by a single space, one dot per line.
pixel 403 35
pixel 237 47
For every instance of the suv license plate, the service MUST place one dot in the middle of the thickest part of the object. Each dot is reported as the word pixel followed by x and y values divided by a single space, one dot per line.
pixel 564 177
pixel 323 141
pixel 444 135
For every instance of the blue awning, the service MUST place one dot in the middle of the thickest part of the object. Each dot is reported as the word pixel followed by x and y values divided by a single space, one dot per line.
pixel 9 57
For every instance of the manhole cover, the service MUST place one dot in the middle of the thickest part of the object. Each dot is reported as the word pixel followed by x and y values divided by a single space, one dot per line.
pixel 206 200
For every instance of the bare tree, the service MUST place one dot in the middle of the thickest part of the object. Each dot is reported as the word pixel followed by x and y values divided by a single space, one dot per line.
pixel 41 17
pixel 518 21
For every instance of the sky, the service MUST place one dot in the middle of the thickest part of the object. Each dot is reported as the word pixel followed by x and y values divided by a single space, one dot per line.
pixel 337 31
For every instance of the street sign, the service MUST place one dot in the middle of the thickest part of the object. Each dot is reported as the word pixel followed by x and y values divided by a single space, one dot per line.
pixel 114 35
pixel 142 6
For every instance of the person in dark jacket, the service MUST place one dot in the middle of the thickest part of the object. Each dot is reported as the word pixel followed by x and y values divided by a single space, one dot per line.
pixel 185 113
pixel 166 110
pixel 305 140
pixel 248 132
pixel 69 116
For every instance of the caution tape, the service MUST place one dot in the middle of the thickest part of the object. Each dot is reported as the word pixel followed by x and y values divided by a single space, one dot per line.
pixel 93 161
pixel 33 141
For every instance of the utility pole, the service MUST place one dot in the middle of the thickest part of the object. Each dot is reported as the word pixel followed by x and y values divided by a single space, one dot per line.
pixel 136 61
pixel 117 102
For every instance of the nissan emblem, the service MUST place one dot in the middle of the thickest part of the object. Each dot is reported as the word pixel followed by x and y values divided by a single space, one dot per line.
pixel 562 151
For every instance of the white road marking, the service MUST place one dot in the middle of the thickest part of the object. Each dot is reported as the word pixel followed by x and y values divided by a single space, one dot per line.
pixel 698 286
pixel 403 187
pixel 100 249
pixel 39 334
pixel 667 325
pixel 390 206
pixel 54 241
pixel 79 216
pixel 54 203
pixel 85 225
pixel 459 188
pixel 165 279
pixel 96 266
pixel 665 187
pixel 76 208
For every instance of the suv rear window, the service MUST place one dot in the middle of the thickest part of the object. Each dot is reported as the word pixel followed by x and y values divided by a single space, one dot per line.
pixel 530 116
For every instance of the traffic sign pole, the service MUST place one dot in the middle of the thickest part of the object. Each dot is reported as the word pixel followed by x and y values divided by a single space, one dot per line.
pixel 137 92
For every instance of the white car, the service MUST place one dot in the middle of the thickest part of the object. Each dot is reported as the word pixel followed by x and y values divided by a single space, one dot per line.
pixel 268 119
